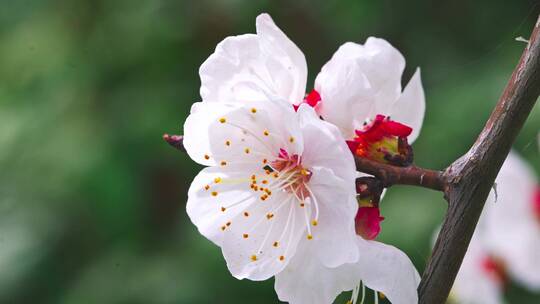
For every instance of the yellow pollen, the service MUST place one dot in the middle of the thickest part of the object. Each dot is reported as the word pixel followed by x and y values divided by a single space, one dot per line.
pixel 206 187
pixel 223 228
pixel 206 156
pixel 265 161
pixel 281 258
pixel 223 209
pixel 266 133
pixel 214 193
pixel 253 110
pixel 255 187
pixel 246 214
pixel 276 244
pixel 291 139
pixel 265 181
pixel 228 224
pixel 217 180
pixel 304 172
pixel 309 237
pixel 227 143
pixel 246 150
pixel 276 175
pixel 245 235
pixel 263 197
pixel 223 163
pixel 222 120
pixel 302 204
pixel 314 223
pixel 253 177
pixel 253 258
pixel 268 191
pixel 269 215
pixel 267 171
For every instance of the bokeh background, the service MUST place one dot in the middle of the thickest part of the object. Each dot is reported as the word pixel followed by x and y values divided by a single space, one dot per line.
pixel 92 199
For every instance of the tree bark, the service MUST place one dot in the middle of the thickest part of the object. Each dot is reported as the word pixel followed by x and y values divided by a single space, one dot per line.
pixel 471 177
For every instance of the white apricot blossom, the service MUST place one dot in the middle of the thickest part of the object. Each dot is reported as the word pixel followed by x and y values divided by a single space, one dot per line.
pixel 506 242
pixel 254 69
pixel 481 277
pixel 512 223
pixel 276 180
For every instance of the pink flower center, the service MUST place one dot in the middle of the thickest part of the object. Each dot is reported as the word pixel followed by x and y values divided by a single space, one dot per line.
pixel 536 202
pixel 495 269
pixel 293 175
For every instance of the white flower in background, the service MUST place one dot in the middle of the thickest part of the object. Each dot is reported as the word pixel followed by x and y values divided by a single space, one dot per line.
pixel 512 224
pixel 506 243
pixel 481 277
pixel 277 180
pixel 356 85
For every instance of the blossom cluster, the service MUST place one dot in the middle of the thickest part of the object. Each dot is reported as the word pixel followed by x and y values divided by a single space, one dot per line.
pixel 280 194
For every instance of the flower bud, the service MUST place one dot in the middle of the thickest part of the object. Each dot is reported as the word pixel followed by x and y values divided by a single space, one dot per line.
pixel 368 217
pixel 385 141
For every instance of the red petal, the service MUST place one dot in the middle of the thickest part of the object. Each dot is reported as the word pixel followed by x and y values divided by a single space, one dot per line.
pixel 313 98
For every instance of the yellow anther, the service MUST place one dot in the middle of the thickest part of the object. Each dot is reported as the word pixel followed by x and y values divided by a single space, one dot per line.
pixel 304 172
pixel 264 161
pixel 253 110
pixel 222 120
pixel 265 181
pixel 223 209
pixel 246 214
pixel 276 175
pixel 227 143
pixel 302 204
pixel 214 193
pixel 247 150
pixel 281 258
pixel 253 258
pixel 291 139
pixel 309 237
pixel 206 156
pixel 206 187
pixel 268 191
pixel 228 224
pixel 245 235
pixel 223 228
pixel 253 177
pixel 276 244
pixel 269 215
pixel 263 197
pixel 223 163
pixel 314 223
pixel 266 133
pixel 217 180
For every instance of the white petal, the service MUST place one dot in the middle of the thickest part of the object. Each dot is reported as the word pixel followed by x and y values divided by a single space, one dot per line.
pixel 334 236
pixel 249 245
pixel 306 280
pixel 359 82
pixel 234 134
pixel 325 146
pixel 387 269
pixel 204 209
pixel 253 67
pixel 381 267
pixel 410 107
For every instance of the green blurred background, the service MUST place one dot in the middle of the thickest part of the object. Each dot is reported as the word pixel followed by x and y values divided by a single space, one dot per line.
pixel 92 199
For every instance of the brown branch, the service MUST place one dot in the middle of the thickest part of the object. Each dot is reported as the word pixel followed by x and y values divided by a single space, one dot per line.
pixel 392 175
pixel 471 177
